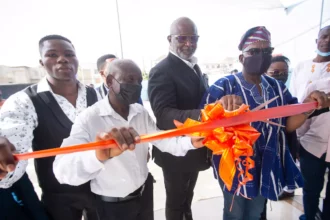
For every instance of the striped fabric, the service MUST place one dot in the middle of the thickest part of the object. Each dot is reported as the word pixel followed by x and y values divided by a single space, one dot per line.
pixel 274 166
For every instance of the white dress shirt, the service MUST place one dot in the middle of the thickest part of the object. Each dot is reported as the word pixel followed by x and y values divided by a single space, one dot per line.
pixel 305 73
pixel 18 119
pixel 190 63
pixel 314 134
pixel 121 175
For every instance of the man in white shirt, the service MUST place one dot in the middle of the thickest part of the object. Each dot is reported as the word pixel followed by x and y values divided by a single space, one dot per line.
pixel 310 70
pixel 314 134
pixel 117 176
pixel 40 117
pixel 103 90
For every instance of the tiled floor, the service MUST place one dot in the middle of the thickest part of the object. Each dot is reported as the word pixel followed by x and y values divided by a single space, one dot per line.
pixel 211 209
pixel 208 201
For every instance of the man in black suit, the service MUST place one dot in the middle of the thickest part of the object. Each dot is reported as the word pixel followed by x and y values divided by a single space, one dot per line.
pixel 176 87
pixel 103 89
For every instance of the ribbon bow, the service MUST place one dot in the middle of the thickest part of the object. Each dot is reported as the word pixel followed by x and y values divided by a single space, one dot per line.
pixel 230 142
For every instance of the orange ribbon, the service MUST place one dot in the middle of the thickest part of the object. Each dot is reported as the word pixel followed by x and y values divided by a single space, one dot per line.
pixel 230 142
pixel 234 122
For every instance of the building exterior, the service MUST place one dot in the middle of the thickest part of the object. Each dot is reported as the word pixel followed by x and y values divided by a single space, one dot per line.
pixel 13 79
pixel 220 67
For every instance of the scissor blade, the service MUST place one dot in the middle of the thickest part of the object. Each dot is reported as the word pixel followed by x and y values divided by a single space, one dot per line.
pixel 264 104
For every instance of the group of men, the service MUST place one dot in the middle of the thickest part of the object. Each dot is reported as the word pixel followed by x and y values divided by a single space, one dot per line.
pixel 115 183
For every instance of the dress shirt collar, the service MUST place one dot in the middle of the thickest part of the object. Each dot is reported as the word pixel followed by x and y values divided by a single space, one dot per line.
pixel 43 86
pixel 190 63
pixel 107 110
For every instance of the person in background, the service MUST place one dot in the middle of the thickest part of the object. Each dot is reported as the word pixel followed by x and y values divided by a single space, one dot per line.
pixel 206 80
pixel 271 172
pixel 2 100
pixel 20 200
pixel 40 117
pixel 101 65
pixel 314 135
pixel 279 70
pixel 176 87
pixel 234 72
pixel 118 177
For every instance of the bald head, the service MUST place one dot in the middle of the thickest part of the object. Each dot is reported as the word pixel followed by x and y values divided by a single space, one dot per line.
pixel 122 71
pixel 183 38
pixel 324 29
pixel 183 26
pixel 124 79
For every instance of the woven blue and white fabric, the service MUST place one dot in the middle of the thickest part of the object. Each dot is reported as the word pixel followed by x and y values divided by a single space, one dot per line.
pixel 274 166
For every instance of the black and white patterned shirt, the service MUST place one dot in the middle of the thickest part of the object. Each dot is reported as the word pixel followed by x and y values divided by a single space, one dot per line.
pixel 18 119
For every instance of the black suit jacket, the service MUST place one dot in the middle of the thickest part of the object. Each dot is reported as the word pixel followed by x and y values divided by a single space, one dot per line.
pixel 175 92
pixel 102 90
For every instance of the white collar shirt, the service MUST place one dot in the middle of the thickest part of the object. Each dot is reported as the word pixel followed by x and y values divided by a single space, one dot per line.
pixel 121 175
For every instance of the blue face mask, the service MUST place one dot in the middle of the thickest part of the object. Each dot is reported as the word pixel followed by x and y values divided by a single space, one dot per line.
pixel 322 54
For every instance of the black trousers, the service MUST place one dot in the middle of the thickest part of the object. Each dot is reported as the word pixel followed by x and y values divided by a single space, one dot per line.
pixel 140 208
pixel 21 202
pixel 179 194
pixel 70 206
pixel 313 171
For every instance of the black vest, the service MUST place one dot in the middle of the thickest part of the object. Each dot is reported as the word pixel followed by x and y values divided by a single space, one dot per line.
pixel 53 127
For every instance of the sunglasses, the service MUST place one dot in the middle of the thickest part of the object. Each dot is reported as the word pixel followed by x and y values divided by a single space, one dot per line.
pixel 277 73
pixel 184 38
pixel 257 51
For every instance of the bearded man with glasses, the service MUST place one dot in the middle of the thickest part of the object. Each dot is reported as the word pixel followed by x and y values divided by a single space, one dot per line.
pixel 176 87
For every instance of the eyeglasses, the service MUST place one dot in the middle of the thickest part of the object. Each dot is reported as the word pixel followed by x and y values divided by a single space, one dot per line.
pixel 278 72
pixel 184 38
pixel 256 51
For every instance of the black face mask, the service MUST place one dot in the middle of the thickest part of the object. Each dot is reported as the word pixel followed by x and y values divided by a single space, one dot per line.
pixel 257 64
pixel 282 78
pixel 129 93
